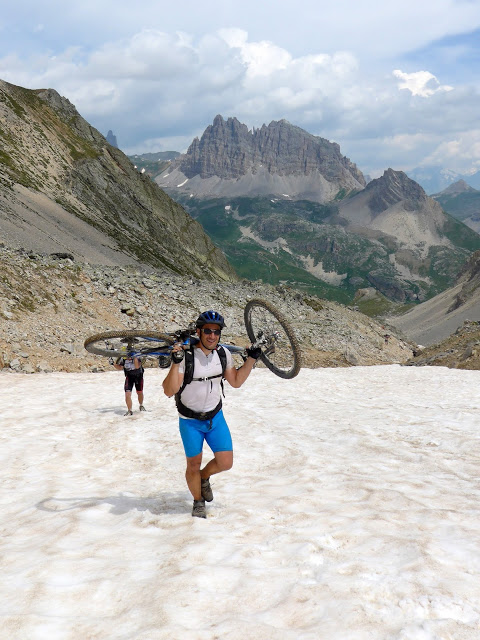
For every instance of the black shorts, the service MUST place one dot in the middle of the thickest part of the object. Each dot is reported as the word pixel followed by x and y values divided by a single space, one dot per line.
pixel 135 380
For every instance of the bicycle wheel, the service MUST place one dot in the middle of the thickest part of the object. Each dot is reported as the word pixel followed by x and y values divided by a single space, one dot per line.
pixel 281 352
pixel 119 343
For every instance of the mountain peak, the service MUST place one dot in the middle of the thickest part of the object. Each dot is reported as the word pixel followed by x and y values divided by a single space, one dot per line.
pixel 393 187
pixel 275 159
pixel 220 122
pixel 112 138
pixel 456 188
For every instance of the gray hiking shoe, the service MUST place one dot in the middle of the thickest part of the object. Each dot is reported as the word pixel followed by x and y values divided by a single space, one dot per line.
pixel 199 510
pixel 207 493
pixel 142 408
pixel 129 413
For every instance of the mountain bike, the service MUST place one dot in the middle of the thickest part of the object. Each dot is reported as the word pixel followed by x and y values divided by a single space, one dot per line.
pixel 266 328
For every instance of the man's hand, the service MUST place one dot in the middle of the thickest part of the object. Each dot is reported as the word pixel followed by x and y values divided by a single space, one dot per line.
pixel 254 352
pixel 177 353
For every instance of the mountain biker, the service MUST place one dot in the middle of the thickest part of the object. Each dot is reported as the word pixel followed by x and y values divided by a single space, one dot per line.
pixel 199 404
pixel 133 370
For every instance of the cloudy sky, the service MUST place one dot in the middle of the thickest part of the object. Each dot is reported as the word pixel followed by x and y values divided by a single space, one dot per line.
pixel 395 84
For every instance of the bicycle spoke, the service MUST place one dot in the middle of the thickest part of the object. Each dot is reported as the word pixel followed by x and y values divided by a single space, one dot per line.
pixel 121 343
pixel 281 353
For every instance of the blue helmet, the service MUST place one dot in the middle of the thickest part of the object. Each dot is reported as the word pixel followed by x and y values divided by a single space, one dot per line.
pixel 210 317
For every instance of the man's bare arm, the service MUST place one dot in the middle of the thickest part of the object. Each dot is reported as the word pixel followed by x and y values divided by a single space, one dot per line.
pixel 236 377
pixel 173 380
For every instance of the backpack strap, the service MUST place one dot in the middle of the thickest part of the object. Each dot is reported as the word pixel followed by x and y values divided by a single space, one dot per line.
pixel 188 372
pixel 223 358
pixel 223 361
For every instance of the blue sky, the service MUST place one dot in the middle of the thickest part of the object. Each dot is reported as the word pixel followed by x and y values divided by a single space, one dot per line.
pixel 395 84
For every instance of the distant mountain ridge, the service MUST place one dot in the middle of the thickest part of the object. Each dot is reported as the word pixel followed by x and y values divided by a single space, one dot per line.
pixel 435 179
pixel 230 160
pixel 455 188
pixel 428 246
pixel 286 206
pixel 396 205
pixel 461 201
pixel 391 188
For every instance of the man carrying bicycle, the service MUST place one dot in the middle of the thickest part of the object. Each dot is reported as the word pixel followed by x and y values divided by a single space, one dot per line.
pixel 133 370
pixel 199 403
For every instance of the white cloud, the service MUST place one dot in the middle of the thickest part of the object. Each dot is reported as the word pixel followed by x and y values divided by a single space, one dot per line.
pixel 260 58
pixel 420 83
pixel 149 54
pixel 158 90
pixel 372 29
pixel 461 153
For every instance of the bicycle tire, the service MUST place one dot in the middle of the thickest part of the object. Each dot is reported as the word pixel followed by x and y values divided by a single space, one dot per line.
pixel 262 318
pixel 117 343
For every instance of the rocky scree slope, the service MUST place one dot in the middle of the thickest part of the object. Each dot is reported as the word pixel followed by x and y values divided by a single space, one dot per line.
pixel 48 306
pixel 461 350
pixel 64 188
pixel 438 318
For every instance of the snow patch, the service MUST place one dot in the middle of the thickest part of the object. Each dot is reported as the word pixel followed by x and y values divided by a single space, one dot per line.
pixel 274 245
pixel 317 270
pixel 380 540
pixel 405 272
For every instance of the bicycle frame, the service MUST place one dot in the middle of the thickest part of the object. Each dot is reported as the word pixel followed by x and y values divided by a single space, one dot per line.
pixel 166 351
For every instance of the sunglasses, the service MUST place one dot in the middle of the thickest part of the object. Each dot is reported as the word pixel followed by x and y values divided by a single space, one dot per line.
pixel 216 332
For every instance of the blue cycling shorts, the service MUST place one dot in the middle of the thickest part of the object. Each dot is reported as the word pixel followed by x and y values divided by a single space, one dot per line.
pixel 195 432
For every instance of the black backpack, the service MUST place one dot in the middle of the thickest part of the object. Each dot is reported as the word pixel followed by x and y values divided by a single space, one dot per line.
pixel 188 378
pixel 134 373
